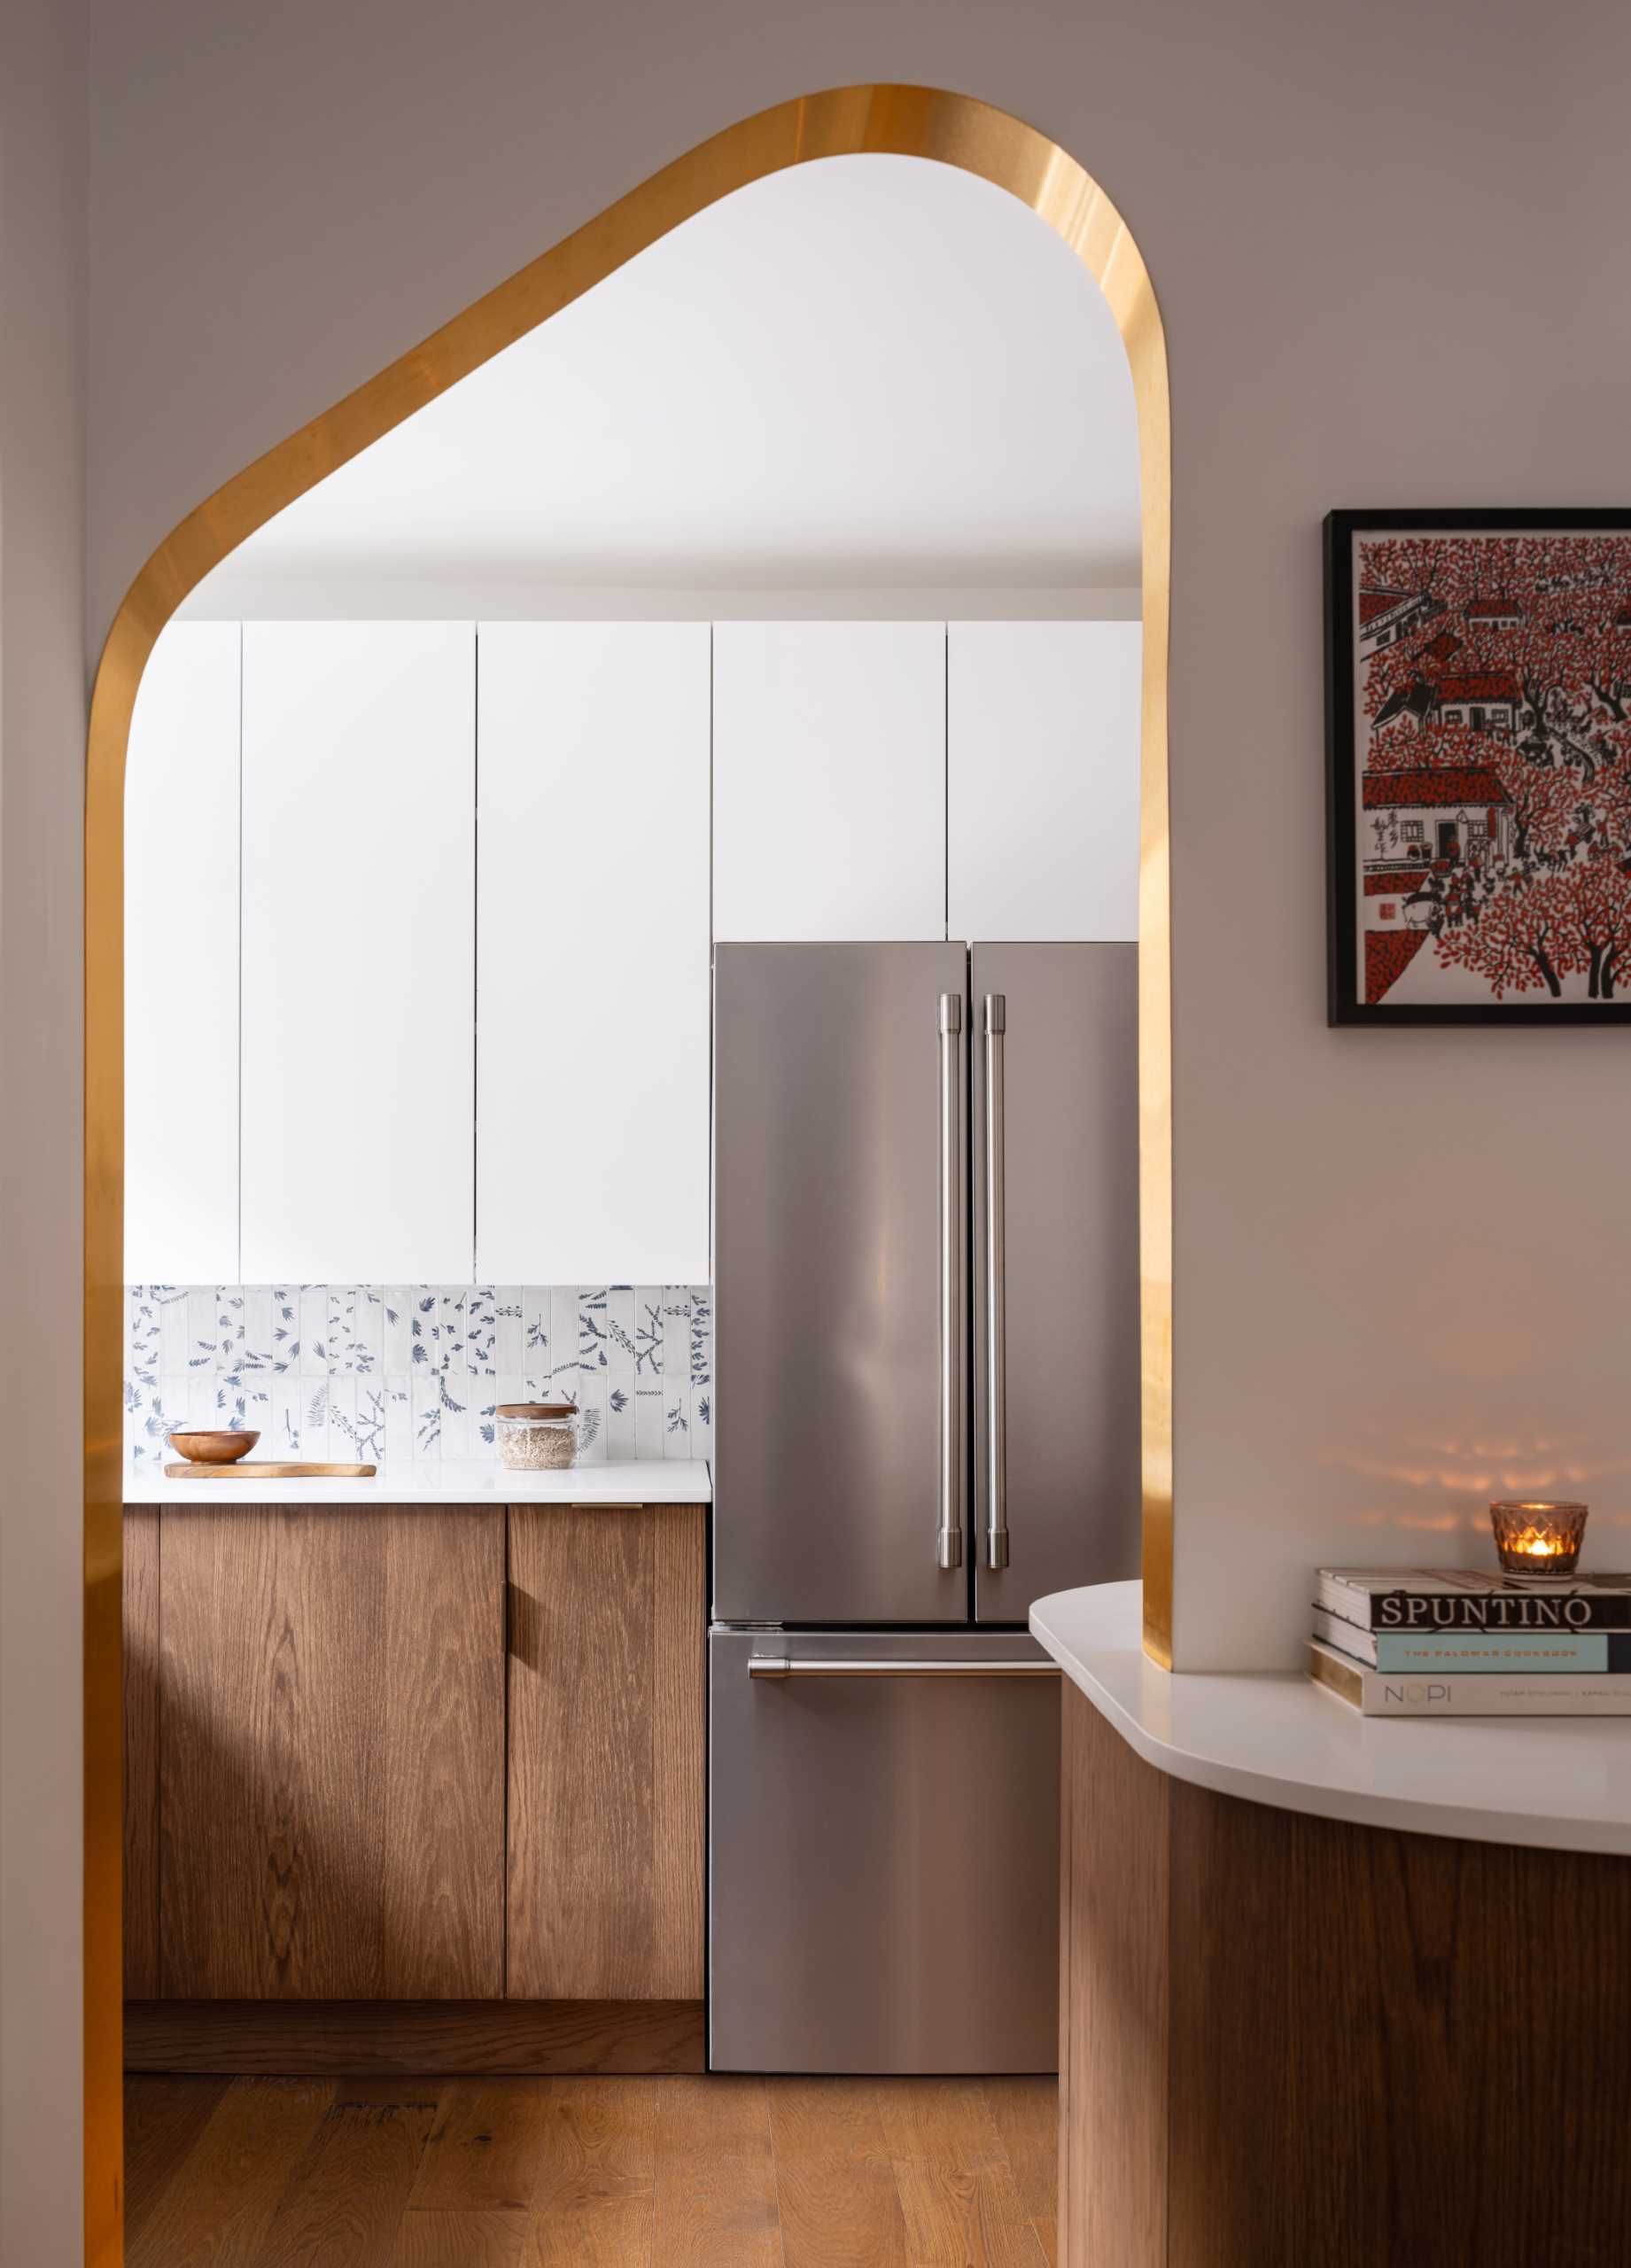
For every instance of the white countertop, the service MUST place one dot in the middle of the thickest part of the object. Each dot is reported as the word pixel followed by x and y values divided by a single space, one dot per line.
pixel 1561 1784
pixel 654 1480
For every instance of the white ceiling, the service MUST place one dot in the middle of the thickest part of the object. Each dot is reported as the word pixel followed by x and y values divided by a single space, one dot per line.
pixel 867 371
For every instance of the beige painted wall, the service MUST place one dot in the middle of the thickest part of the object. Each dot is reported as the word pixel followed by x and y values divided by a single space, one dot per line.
pixel 1390 246
pixel 43 164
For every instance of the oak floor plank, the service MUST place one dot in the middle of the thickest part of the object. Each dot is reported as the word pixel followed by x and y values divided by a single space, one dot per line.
pixel 825 2119
pixel 603 2233
pixel 597 2143
pixel 721 2114
pixel 349 2191
pixel 489 2239
pixel 1025 2113
pixel 235 2176
pixel 485 2150
pixel 960 2218
pixel 716 2211
pixel 164 2117
pixel 948 2119
pixel 842 2212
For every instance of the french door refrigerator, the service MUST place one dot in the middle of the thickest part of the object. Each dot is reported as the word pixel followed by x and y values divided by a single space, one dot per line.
pixel 926 1258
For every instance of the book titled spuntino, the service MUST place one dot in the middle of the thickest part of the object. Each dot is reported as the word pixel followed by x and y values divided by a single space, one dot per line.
pixel 1475 1693
pixel 1422 1599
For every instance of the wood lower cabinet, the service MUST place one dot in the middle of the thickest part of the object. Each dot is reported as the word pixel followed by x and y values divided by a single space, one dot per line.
pixel 607 1684
pixel 415 1787
pixel 331 1752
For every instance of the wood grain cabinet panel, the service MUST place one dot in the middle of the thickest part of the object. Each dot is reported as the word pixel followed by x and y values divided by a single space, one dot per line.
pixel 141 1635
pixel 331 1752
pixel 606 1753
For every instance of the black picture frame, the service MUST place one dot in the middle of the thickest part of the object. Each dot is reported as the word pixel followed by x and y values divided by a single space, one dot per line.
pixel 1346 1005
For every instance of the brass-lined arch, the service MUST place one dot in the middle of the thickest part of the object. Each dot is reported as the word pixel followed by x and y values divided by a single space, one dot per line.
pixel 898 120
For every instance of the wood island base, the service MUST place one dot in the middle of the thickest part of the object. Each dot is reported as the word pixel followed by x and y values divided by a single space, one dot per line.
pixel 1289 2040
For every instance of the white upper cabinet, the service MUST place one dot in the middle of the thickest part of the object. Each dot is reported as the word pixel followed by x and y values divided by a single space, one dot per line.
pixel 358 951
pixel 592 1119
pixel 1043 751
pixel 829 780
pixel 182 961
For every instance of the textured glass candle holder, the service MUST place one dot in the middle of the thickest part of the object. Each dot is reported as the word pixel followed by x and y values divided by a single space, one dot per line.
pixel 1538 1538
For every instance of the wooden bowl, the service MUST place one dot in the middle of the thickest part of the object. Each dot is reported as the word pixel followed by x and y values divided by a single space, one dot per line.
pixel 211 1448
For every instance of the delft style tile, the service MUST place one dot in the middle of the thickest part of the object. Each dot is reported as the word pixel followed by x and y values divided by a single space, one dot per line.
pixel 480 1341
pixel 508 1330
pixel 454 1313
pixel 564 1356
pixel 648 1347
pixel 650 1420
pixel 257 1351
pixel 314 1317
pixel 427 1412
pixel 396 1308
pixel 285 1327
pixel 537 1323
pixel 315 1393
pixel 424 1330
pixel 398 1419
pixel 203 1353
pixel 173 1306
pixel 370 1340
pixel 340 1330
pixel 621 1443
pixel 458 1393
pixel 285 1433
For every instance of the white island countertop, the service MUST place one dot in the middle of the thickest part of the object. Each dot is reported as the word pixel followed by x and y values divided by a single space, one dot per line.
pixel 1559 1784
pixel 653 1480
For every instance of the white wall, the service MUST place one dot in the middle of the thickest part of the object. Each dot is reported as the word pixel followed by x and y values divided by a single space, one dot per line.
pixel 41 756
pixel 1389 247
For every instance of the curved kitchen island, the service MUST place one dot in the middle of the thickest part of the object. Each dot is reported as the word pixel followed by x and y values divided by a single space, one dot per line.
pixel 1335 1993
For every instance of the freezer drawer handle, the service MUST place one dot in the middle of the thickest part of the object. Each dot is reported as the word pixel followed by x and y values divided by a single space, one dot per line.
pixel 953 1209
pixel 784 1665
pixel 996 1290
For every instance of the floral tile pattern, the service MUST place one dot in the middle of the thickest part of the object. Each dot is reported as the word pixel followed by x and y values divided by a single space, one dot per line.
pixel 388 1373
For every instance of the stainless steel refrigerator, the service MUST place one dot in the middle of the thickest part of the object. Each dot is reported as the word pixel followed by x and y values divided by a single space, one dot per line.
pixel 926 1258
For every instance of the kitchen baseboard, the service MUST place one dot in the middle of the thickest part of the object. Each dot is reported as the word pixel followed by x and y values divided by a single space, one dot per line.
pixel 362 2038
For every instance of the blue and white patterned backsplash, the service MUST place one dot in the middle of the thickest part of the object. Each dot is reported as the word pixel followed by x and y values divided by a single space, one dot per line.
pixel 379 1374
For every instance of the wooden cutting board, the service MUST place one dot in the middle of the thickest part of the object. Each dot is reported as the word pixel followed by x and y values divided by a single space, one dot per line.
pixel 246 1470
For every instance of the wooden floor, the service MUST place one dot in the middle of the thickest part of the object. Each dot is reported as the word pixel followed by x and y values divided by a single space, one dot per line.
pixel 530 2174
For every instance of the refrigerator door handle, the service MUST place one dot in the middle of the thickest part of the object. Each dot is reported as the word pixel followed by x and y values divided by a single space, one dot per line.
pixel 787 1666
pixel 996 1291
pixel 953 1209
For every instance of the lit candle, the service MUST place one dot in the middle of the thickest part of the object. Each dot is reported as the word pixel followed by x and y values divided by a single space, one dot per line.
pixel 1533 1537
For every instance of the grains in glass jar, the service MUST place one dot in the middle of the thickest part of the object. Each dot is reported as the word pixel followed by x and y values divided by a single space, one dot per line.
pixel 536 1436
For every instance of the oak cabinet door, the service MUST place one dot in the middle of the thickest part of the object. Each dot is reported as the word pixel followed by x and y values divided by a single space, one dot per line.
pixel 593 1003
pixel 359 945
pixel 829 780
pixel 1042 779
pixel 331 1752
pixel 607 1669
pixel 182 961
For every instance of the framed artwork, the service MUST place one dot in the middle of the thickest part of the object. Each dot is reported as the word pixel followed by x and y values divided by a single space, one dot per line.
pixel 1477 719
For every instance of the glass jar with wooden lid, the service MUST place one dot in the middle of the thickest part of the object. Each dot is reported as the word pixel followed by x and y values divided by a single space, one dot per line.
pixel 537 1436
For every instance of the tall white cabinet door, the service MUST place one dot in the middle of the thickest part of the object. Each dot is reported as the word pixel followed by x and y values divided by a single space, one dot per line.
pixel 1042 779
pixel 358 951
pixel 182 961
pixel 829 780
pixel 593 957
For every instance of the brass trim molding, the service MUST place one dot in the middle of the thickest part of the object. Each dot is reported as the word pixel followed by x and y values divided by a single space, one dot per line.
pixel 902 120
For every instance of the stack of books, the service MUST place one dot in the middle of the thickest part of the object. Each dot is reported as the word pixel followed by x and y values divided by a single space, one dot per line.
pixel 1444 1643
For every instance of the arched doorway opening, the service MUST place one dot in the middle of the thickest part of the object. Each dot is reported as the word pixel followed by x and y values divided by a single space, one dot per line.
pixel 947 128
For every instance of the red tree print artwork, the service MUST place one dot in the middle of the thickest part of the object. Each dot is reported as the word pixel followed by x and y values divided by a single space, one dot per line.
pixel 1494 714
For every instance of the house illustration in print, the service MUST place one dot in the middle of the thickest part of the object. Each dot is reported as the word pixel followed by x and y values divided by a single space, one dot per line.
pixel 1493 717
